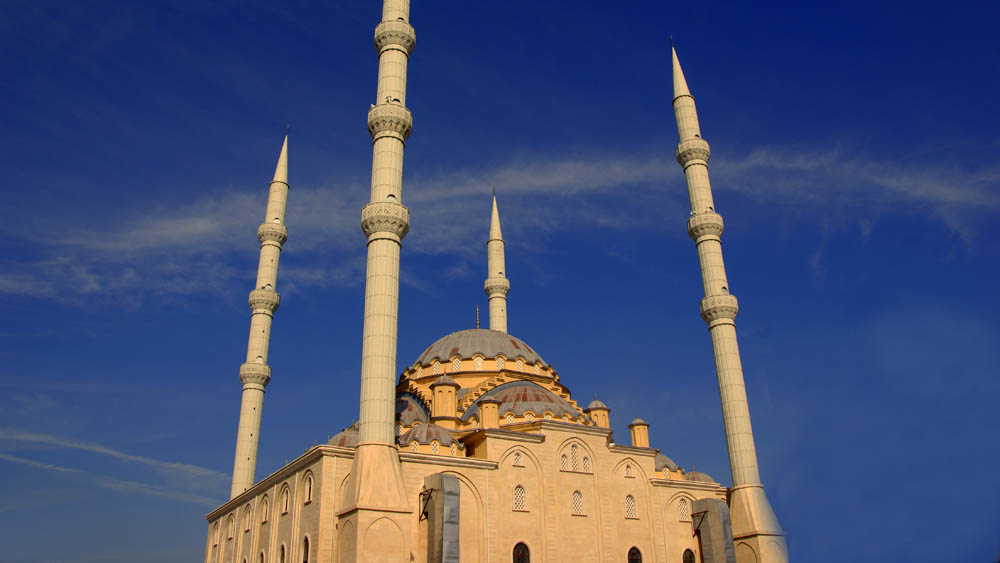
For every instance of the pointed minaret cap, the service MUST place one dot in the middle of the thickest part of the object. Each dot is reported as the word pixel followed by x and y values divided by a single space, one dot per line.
pixel 495 222
pixel 281 170
pixel 680 84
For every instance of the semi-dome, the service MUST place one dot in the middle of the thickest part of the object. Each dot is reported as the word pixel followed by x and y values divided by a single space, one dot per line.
pixel 662 461
pixel 488 343
pixel 347 438
pixel 698 476
pixel 520 397
pixel 426 433
pixel 409 409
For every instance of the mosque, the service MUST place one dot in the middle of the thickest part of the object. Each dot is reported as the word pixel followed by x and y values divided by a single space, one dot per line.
pixel 477 451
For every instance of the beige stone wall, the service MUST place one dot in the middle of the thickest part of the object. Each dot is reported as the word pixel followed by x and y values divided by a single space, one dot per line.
pixel 603 529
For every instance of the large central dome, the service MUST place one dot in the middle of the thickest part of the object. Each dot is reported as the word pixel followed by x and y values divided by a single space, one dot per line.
pixel 487 343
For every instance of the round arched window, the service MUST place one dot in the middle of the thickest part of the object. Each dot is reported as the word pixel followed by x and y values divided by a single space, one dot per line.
pixel 688 556
pixel 521 554
pixel 634 556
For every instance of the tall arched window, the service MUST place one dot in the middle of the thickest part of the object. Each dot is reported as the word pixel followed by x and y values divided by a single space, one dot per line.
pixel 630 511
pixel 683 511
pixel 229 527
pixel 688 556
pixel 247 518
pixel 634 556
pixel 574 457
pixel 563 463
pixel 305 550
pixel 264 505
pixel 281 554
pixel 586 464
pixel 284 501
pixel 521 554
pixel 309 488
pixel 261 558
pixel 577 503
pixel 519 503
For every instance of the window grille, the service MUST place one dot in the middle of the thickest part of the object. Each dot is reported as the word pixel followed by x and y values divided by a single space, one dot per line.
pixel 510 418
pixel 499 363
pixel 537 369
pixel 520 364
pixel 456 364
pixel 586 464
pixel 630 511
pixel 454 449
pixel 529 417
pixel 414 446
pixel 519 504
pixel 517 459
pixel 577 502
pixel 434 446
pixel 437 367
pixel 563 464
pixel 683 510
pixel 688 556
pixel 478 362
pixel 548 416
pixel 573 457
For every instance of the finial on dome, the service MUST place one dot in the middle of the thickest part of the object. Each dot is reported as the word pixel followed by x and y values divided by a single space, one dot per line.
pixel 477 316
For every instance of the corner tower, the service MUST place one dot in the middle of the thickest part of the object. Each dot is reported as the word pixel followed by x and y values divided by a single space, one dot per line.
pixel 375 495
pixel 255 373
pixel 757 534
pixel 497 285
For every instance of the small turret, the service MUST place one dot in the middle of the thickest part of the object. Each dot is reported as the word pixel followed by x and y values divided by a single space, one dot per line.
pixel 445 402
pixel 599 413
pixel 640 433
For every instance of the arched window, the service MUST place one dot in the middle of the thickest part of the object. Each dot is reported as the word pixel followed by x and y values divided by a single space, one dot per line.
pixel 563 463
pixel 434 446
pixel 436 367
pixel 309 488
pixel 281 554
pixel 510 418
pixel 530 417
pixel 577 502
pixel 215 534
pixel 229 528
pixel 261 558
pixel 305 550
pixel 500 363
pixel 284 501
pixel 414 446
pixel 683 511
pixel 586 464
pixel 478 363
pixel 456 364
pixel 634 556
pixel 264 505
pixel 521 554
pixel 688 556
pixel 247 518
pixel 630 511
pixel 517 460
pixel 574 457
pixel 520 364
pixel 519 502
pixel 454 449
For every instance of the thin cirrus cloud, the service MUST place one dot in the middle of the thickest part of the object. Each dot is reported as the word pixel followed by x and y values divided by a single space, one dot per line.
pixel 154 251
pixel 186 475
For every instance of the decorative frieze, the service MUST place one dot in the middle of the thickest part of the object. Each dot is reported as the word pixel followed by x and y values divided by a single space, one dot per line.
pixel 395 34
pixel 715 307
pixel 391 119
pixel 385 217
pixel 272 232
pixel 255 374
pixel 705 224
pixel 695 149
pixel 494 286
pixel 264 299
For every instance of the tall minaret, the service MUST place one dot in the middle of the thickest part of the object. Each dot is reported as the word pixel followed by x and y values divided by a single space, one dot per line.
pixel 376 484
pixel 496 285
pixel 255 373
pixel 753 519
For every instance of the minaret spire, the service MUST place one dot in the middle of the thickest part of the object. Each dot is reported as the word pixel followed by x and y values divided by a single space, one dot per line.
pixel 375 488
pixel 753 519
pixel 255 373
pixel 496 285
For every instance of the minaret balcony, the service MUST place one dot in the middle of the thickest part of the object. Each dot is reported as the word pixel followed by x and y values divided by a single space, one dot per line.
pixel 719 307
pixel 255 374
pixel 395 34
pixel 272 232
pixel 695 150
pixel 390 119
pixel 264 300
pixel 708 224
pixel 385 217
pixel 496 286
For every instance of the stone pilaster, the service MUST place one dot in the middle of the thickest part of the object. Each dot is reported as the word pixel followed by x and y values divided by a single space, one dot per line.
pixel 263 301
pixel 753 519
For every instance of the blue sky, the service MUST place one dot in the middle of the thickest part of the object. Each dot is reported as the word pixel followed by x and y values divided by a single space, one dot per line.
pixel 855 160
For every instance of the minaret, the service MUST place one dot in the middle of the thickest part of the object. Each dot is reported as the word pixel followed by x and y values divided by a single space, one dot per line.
pixel 376 483
pixel 753 519
pixel 496 285
pixel 255 373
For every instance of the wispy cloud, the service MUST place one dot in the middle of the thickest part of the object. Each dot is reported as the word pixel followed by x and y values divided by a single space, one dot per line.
pixel 114 484
pixel 207 246
pixel 192 476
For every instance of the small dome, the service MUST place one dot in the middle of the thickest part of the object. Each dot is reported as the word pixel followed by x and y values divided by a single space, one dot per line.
pixel 409 408
pixel 346 438
pixel 488 343
pixel 521 397
pixel 662 461
pixel 445 380
pixel 638 422
pixel 698 476
pixel 425 433
pixel 595 404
